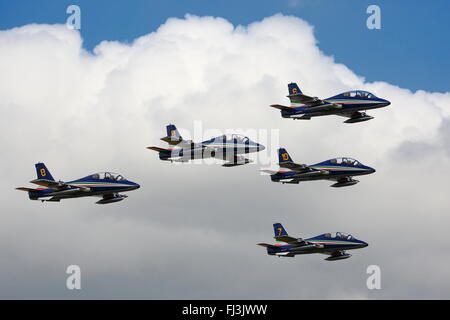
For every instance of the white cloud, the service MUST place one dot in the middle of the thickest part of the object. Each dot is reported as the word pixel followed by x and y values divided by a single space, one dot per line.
pixel 196 226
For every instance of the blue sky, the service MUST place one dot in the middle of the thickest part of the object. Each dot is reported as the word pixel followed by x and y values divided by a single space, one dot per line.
pixel 411 50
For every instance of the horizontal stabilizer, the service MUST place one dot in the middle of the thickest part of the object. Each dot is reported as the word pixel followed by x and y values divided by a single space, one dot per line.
pixel 26 189
pixel 158 149
pixel 287 239
pixel 48 183
pixel 279 106
pixel 325 107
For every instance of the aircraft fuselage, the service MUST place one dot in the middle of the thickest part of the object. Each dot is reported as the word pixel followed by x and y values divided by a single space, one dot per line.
pixel 346 105
pixel 84 187
pixel 320 244
pixel 328 170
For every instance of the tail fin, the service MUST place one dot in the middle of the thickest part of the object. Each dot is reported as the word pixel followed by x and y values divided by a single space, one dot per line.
pixel 42 172
pixel 279 230
pixel 293 89
pixel 173 133
pixel 173 136
pixel 283 156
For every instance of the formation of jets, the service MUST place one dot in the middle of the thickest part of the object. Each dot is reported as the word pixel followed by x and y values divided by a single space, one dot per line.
pixel 231 149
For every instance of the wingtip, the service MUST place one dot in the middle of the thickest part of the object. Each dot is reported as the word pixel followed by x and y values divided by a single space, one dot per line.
pixel 23 189
pixel 279 106
pixel 261 244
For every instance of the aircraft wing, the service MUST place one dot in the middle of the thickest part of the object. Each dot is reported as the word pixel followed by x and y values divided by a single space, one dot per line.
pixel 303 170
pixel 56 185
pixel 286 239
pixel 325 106
pixel 294 166
pixel 307 100
pixel 68 193
pixel 298 242
pixel 59 186
pixel 236 161
pixel 181 143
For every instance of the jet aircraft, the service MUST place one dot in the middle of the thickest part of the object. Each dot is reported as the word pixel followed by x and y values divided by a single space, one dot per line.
pixel 340 170
pixel 103 184
pixel 332 244
pixel 225 147
pixel 351 104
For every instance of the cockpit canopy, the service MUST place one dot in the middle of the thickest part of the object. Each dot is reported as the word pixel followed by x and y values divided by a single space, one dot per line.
pixel 339 235
pixel 359 94
pixel 345 161
pixel 234 137
pixel 107 176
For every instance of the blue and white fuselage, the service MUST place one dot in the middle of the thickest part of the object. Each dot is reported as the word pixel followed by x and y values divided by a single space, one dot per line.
pixel 351 104
pixel 340 170
pixel 332 244
pixel 107 185
pixel 226 147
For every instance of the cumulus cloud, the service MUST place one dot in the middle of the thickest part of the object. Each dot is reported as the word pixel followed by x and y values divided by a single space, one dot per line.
pixel 190 231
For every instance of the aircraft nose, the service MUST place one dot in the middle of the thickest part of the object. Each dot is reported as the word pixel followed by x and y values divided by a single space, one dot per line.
pixel 135 186
pixel 364 244
pixel 385 103
pixel 260 147
pixel 370 170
